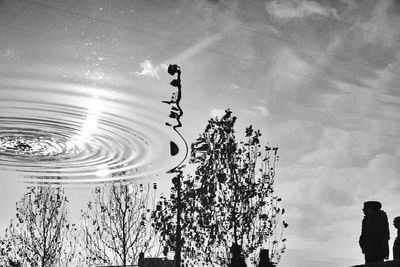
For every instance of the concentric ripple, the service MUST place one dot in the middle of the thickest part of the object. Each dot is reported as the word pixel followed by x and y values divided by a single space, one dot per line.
pixel 54 133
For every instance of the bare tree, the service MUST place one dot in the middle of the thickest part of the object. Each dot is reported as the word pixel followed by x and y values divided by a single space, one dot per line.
pixel 39 235
pixel 116 224
pixel 9 255
pixel 228 205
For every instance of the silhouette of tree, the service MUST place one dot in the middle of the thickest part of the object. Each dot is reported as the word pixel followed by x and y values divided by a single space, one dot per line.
pixel 41 234
pixel 228 205
pixel 116 224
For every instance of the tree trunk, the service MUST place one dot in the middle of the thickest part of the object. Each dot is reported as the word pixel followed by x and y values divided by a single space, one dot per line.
pixel 237 259
pixel 124 249
pixel 178 223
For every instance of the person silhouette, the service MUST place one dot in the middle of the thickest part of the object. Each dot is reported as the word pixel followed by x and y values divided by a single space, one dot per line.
pixel 264 259
pixel 374 233
pixel 237 259
pixel 396 245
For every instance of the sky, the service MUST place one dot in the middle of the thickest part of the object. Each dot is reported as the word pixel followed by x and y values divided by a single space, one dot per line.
pixel 318 78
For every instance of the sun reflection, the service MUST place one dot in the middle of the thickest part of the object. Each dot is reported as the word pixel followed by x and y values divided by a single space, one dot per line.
pixel 90 124
pixel 103 172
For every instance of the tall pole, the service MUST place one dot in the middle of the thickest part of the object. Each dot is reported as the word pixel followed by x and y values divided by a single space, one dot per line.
pixel 178 247
pixel 176 113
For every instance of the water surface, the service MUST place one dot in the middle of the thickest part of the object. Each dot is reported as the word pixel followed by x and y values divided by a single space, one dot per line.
pixel 70 117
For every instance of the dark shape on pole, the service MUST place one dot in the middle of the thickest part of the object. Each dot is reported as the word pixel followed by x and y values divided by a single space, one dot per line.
pixel 173 148
pixel 175 83
pixel 176 111
pixel 173 115
pixel 375 233
pixel 396 245
pixel 172 69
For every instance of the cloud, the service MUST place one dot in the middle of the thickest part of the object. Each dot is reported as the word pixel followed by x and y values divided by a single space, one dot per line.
pixel 326 201
pixel 380 27
pixel 203 44
pixel 234 87
pixel 341 148
pixel 369 43
pixel 288 67
pixel 216 112
pixel 149 70
pixel 287 77
pixel 153 71
pixel 263 111
pixel 257 111
pixel 289 9
pixel 332 172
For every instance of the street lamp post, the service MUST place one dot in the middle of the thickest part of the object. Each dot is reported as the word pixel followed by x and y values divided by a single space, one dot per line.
pixel 176 113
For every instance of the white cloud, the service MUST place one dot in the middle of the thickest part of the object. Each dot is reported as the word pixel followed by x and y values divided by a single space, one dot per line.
pixel 257 111
pixel 149 70
pixel 263 111
pixel 341 148
pixel 289 9
pixel 202 45
pixel 216 112
pixel 234 87
pixel 335 195
pixel 288 71
pixel 346 168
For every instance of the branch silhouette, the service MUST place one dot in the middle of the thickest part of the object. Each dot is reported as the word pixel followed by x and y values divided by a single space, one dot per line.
pixel 116 224
pixel 228 205
pixel 42 235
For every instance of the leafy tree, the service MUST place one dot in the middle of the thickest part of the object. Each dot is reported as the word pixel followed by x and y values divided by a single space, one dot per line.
pixel 228 205
pixel 39 236
pixel 116 224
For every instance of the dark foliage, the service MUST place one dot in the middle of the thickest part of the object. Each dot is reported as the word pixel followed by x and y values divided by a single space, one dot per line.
pixel 228 202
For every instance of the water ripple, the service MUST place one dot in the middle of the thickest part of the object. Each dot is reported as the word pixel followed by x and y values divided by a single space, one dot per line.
pixel 52 132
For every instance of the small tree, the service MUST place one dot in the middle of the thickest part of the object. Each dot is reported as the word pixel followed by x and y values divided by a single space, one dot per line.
pixel 39 235
pixel 9 253
pixel 228 204
pixel 116 224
